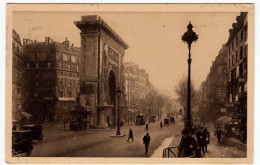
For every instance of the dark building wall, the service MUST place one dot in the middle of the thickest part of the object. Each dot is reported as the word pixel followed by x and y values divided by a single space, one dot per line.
pixel 17 74
pixel 52 78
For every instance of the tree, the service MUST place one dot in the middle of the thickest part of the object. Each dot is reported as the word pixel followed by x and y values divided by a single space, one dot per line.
pixel 182 92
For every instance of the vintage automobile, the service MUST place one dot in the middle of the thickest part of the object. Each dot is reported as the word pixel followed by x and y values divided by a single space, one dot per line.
pixel 36 131
pixel 21 143
pixel 172 120
pixel 166 121
pixel 140 119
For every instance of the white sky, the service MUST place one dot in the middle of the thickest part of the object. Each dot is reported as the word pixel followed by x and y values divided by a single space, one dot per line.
pixel 154 39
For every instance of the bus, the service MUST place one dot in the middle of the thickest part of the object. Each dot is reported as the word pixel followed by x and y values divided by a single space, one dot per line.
pixel 140 119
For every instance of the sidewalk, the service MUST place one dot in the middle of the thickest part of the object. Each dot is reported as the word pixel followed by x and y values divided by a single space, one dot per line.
pixel 230 141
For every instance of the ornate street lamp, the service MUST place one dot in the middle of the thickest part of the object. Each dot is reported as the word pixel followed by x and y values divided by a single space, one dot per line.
pixel 118 92
pixel 189 36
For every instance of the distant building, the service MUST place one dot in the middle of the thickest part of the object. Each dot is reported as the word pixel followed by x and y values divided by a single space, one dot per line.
pixel 52 78
pixel 216 83
pixel 237 45
pixel 17 75
pixel 137 84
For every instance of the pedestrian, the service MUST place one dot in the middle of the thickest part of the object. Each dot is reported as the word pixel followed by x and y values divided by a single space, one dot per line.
pixel 146 141
pixel 195 129
pixel 130 136
pixel 201 139
pixel 188 145
pixel 76 127
pixel 64 124
pixel 219 132
pixel 146 127
pixel 161 124
pixel 207 134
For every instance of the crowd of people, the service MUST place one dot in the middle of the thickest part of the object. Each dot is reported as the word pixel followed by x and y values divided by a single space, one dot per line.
pixel 195 146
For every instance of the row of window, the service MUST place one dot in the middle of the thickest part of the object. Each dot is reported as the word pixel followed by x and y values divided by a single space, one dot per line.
pixel 17 48
pixel 68 74
pixel 17 76
pixel 73 67
pixel 240 53
pixel 39 56
pixel 67 57
pixel 68 83
pixel 36 65
pixel 240 70
pixel 42 84
pixel 241 37
pixel 17 62
pixel 70 94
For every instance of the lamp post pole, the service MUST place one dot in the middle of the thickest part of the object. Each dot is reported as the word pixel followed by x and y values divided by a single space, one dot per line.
pixel 189 36
pixel 118 111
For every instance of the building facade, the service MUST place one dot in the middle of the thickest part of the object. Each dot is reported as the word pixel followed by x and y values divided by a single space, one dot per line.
pixel 17 75
pixel 237 70
pixel 137 84
pixel 217 82
pixel 101 72
pixel 213 91
pixel 52 78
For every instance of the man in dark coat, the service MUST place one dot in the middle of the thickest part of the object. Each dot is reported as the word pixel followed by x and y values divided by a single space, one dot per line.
pixel 146 127
pixel 130 135
pixel 207 134
pixel 146 141
pixel 188 145
pixel 201 139
pixel 76 127
pixel 161 124
pixel 219 132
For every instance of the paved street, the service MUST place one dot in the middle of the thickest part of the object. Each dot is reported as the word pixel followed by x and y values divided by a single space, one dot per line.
pixel 99 143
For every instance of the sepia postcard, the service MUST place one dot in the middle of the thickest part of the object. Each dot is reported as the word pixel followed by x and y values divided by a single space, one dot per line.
pixel 130 83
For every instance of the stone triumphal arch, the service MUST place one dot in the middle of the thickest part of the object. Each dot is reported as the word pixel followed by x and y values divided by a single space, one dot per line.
pixel 101 71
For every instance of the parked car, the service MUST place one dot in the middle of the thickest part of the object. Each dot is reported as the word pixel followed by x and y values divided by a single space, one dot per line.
pixel 21 143
pixel 36 131
pixel 166 121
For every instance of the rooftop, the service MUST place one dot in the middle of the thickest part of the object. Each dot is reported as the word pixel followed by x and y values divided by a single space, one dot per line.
pixel 97 20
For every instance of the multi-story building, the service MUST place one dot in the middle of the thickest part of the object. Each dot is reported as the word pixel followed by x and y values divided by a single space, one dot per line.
pixel 237 69
pixel 52 78
pixel 213 90
pixel 217 80
pixel 136 83
pixel 17 75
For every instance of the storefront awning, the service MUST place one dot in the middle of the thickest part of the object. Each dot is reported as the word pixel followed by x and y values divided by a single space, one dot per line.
pixel 27 115
pixel 224 119
pixel 133 110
